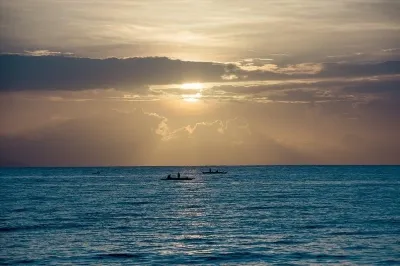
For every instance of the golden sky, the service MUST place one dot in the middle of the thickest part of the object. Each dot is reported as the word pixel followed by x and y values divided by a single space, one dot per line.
pixel 184 82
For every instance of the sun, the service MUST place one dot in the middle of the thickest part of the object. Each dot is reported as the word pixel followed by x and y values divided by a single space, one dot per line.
pixel 192 98
pixel 192 86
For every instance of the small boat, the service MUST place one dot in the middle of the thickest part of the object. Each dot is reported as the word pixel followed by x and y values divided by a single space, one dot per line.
pixel 213 172
pixel 178 178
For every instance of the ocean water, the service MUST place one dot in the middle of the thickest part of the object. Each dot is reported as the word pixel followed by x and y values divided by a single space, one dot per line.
pixel 264 215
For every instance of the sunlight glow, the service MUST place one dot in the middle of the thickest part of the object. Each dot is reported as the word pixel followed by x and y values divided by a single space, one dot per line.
pixel 191 98
pixel 192 86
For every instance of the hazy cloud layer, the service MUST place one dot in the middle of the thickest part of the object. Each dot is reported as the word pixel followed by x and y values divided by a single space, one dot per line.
pixel 112 138
pixel 202 30
pixel 278 136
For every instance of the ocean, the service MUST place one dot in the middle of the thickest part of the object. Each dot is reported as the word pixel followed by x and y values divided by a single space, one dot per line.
pixel 253 215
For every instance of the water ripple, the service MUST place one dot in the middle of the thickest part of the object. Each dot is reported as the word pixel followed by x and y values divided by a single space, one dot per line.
pixel 251 216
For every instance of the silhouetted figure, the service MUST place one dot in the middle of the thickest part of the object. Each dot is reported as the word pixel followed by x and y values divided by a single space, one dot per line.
pixel 179 175
pixel 169 176
pixel 209 170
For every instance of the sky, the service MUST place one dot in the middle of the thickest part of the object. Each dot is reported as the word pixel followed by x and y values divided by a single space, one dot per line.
pixel 211 82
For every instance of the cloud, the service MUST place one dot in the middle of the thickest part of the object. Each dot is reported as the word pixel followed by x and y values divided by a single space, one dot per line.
pixel 291 69
pixel 46 53
pixel 391 50
pixel 301 96
pixel 383 102
pixel 136 74
pixel 225 29
pixel 307 90
pixel 72 73
pixel 324 70
pixel 375 87
pixel 360 69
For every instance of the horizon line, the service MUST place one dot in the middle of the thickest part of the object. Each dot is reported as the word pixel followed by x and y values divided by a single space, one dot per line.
pixel 205 166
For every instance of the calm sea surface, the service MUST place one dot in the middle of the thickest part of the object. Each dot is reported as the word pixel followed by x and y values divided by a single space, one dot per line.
pixel 250 216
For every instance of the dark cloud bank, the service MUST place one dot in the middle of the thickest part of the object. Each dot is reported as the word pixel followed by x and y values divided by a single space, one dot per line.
pixel 71 73
pixel 20 72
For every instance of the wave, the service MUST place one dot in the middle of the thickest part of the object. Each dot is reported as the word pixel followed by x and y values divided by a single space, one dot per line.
pixel 40 227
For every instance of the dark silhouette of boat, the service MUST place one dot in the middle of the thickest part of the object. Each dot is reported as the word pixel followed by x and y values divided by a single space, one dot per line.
pixel 178 177
pixel 209 172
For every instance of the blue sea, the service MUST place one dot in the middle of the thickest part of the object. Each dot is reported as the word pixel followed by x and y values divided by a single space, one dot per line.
pixel 253 215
